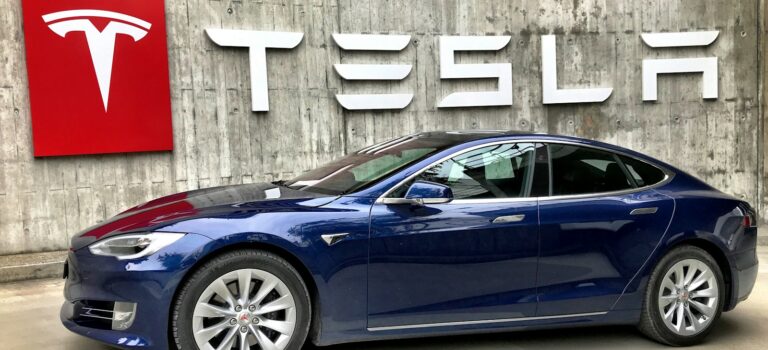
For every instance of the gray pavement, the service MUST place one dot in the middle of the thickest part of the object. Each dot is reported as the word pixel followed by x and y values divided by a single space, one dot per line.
pixel 29 319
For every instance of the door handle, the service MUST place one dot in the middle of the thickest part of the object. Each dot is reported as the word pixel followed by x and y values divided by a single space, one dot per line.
pixel 509 218
pixel 642 211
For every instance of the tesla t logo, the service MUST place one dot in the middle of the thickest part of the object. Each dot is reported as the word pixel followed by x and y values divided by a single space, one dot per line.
pixel 98 76
pixel 100 43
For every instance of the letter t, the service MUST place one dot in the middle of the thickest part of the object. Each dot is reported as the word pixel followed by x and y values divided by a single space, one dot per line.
pixel 257 42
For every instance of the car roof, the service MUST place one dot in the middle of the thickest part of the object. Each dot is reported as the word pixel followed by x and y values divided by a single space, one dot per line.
pixel 462 136
pixel 459 137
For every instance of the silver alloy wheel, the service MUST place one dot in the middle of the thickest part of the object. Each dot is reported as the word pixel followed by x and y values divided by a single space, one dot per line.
pixel 688 297
pixel 243 308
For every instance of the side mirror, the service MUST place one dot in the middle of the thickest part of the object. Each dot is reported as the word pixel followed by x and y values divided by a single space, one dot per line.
pixel 424 192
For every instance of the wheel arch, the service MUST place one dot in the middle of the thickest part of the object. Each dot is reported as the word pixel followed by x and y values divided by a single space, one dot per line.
pixel 722 262
pixel 290 257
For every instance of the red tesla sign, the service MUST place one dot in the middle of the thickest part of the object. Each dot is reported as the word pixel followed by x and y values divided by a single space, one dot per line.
pixel 98 76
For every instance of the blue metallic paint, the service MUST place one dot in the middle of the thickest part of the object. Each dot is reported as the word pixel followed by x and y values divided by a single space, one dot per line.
pixel 592 247
pixel 403 265
pixel 449 262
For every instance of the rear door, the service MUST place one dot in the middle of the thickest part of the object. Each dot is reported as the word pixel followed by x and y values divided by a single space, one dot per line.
pixel 598 227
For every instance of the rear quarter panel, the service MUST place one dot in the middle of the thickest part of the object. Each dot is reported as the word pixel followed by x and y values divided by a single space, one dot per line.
pixel 704 217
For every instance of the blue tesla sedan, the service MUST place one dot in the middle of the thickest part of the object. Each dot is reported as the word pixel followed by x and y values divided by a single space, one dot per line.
pixel 429 234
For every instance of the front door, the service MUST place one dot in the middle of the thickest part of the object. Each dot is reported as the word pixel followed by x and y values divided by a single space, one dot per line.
pixel 472 259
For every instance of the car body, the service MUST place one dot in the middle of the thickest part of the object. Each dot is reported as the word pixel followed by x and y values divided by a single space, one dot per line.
pixel 380 267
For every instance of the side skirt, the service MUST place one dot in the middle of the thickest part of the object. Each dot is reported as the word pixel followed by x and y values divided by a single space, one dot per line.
pixel 614 317
pixel 482 322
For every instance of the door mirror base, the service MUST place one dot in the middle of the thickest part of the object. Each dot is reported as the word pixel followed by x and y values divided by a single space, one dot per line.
pixel 400 201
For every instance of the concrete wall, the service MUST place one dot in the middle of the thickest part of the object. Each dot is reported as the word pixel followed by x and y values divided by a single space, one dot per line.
pixel 218 141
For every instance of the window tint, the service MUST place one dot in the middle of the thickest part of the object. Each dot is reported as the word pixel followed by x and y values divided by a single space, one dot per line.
pixel 643 173
pixel 581 170
pixel 367 166
pixel 498 171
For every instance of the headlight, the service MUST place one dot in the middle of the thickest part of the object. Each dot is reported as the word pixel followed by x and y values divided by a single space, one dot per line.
pixel 134 246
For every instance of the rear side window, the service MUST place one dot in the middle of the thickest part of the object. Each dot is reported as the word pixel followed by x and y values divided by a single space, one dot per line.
pixel 643 173
pixel 581 170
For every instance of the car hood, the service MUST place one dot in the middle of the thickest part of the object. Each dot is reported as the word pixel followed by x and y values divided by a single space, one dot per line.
pixel 155 214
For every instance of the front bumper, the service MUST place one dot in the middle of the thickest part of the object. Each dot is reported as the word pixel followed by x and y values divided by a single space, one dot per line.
pixel 149 283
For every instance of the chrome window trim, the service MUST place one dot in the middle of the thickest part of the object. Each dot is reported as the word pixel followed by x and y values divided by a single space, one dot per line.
pixel 480 322
pixel 668 175
pixel 493 200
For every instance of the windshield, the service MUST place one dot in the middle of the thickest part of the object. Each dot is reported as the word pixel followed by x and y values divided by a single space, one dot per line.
pixel 368 165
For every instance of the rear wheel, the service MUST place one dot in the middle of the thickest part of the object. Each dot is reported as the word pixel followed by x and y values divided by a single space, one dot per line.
pixel 242 300
pixel 684 297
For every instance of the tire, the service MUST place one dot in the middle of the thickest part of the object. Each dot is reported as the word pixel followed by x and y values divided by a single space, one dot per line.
pixel 276 308
pixel 696 301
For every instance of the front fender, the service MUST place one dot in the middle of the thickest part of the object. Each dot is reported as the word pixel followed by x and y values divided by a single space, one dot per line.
pixel 337 273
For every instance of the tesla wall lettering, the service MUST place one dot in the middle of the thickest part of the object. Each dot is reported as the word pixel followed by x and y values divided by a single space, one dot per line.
pixel 449 69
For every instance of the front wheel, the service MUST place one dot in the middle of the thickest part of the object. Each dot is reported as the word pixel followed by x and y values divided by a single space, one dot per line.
pixel 242 300
pixel 684 298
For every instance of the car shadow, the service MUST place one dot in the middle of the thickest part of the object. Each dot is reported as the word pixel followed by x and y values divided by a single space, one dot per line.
pixel 590 338
pixel 604 337
pixel 729 331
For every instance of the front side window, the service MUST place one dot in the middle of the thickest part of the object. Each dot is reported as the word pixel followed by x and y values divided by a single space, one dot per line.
pixel 581 170
pixel 497 171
